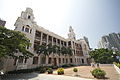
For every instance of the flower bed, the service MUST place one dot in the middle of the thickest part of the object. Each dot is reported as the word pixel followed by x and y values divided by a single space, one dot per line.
pixel 60 71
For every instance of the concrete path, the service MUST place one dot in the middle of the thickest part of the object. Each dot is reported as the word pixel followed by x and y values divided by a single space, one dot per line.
pixel 57 77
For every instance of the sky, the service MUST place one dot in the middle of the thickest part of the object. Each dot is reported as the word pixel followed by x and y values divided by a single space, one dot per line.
pixel 90 18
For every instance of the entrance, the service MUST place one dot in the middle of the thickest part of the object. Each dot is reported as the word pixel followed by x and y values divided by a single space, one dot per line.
pixel 55 62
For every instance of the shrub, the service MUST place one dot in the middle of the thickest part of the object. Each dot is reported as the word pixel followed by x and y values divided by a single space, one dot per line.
pixel 60 71
pixel 41 69
pixel 98 73
pixel 71 65
pixel 75 70
pixel 50 71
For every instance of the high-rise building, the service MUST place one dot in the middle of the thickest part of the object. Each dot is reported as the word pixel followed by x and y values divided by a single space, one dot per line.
pixel 110 41
pixel 39 36
pixel 2 22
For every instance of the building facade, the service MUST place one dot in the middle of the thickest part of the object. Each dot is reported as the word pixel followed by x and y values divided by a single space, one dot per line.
pixel 39 36
pixel 111 41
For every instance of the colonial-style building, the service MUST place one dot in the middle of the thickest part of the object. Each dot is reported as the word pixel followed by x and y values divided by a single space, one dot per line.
pixel 39 36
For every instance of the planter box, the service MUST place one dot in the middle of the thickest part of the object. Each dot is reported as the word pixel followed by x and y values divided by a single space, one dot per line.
pixel 117 68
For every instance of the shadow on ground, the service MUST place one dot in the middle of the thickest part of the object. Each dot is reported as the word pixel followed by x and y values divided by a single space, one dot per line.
pixel 20 76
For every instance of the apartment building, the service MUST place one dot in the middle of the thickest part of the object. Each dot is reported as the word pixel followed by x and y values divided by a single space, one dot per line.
pixel 111 41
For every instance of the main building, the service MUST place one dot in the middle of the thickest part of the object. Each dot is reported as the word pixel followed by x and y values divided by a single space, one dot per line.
pixel 39 36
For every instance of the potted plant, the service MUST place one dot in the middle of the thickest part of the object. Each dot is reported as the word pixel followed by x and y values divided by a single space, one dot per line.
pixel 50 71
pixel 60 71
pixel 98 73
pixel 75 70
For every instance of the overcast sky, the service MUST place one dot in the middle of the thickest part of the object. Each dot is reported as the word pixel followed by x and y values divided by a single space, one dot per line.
pixel 90 18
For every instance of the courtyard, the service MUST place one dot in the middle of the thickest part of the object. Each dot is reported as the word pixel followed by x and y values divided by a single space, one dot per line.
pixel 83 74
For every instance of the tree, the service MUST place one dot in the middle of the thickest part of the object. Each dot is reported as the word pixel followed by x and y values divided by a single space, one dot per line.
pixel 49 49
pixel 102 55
pixel 12 42
pixel 69 51
pixel 42 49
pixel 63 50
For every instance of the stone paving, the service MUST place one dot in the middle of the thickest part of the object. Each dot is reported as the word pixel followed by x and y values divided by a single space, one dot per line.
pixel 84 74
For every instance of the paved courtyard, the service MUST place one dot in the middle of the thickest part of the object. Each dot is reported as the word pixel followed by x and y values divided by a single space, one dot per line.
pixel 84 74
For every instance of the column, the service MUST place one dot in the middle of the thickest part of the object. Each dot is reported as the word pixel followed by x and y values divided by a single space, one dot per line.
pixel 52 40
pixel 41 38
pixel 47 38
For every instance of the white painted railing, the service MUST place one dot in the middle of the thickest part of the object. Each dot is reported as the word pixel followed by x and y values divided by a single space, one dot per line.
pixel 117 68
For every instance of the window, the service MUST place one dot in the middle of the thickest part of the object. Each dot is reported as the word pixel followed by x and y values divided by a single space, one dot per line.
pixel 20 59
pixel 29 17
pixel 25 60
pixel 23 28
pixel 27 30
pixel 49 61
pixel 66 60
pixel 63 60
pixel 59 60
pixel 82 60
pixel 71 60
pixel 35 60
pixel 75 59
